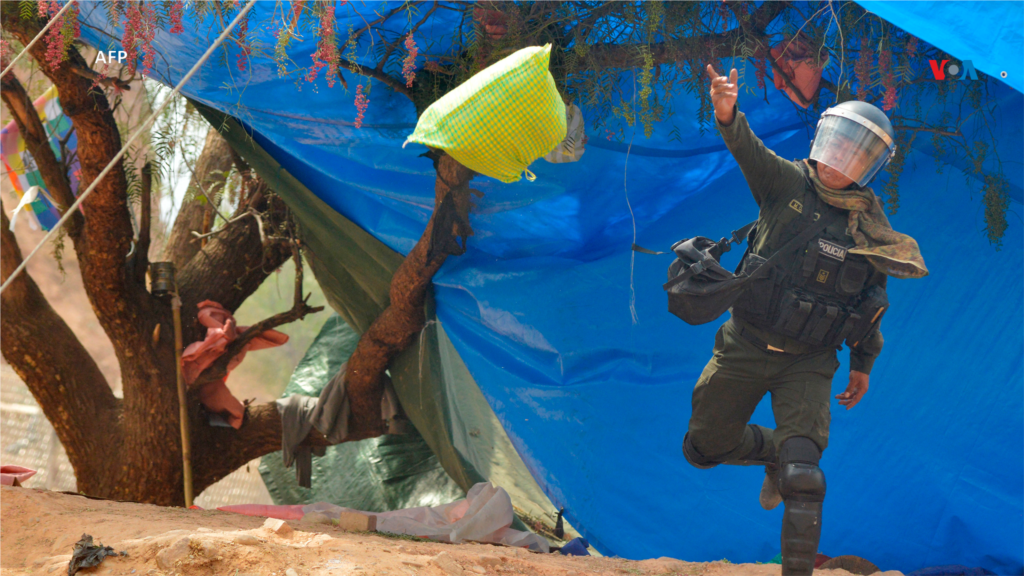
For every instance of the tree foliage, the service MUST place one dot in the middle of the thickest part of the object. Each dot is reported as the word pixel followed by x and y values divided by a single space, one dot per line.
pixel 623 62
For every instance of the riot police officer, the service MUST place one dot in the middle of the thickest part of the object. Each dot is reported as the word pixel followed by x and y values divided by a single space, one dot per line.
pixel 786 328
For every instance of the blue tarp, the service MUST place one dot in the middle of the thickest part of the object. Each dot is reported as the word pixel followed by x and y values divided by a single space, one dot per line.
pixel 564 328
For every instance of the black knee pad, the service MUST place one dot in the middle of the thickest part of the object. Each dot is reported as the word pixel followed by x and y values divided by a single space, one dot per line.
pixel 800 449
pixel 800 478
pixel 760 454
pixel 694 457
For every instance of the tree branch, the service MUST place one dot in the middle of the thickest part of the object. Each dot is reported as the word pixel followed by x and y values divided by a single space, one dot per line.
pixel 392 82
pixel 31 127
pixel 391 47
pixel 611 55
pixel 382 19
pixel 142 246
pixel 939 131
pixel 219 370
pixel 762 39
pixel 213 162
pixel 100 79
pixel 233 263
pixel 226 449
pixel 404 317
pixel 120 302
pixel 389 334
pixel 58 371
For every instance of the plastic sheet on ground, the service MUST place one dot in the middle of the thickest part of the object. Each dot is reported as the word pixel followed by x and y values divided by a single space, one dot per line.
pixel 15 475
pixel 485 515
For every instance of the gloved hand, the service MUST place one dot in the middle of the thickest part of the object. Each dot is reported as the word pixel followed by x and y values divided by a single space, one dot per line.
pixel 724 92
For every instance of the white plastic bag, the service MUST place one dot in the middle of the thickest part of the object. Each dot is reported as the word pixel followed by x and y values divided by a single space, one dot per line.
pixel 485 515
pixel 572 148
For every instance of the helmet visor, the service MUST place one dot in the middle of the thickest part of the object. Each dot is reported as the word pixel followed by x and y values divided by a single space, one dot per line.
pixel 850 148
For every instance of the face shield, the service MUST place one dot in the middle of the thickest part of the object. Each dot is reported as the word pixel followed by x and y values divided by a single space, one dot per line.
pixel 852 145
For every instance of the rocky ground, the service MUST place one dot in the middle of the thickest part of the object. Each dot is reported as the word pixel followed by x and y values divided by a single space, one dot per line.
pixel 38 530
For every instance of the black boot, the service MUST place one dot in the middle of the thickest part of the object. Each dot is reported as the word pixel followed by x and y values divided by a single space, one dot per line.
pixel 802 485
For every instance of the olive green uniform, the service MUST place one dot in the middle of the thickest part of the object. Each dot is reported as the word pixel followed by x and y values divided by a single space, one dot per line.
pixel 749 362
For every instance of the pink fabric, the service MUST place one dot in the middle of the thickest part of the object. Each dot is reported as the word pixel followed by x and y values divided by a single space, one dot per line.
pixel 221 331
pixel 15 475
pixel 281 512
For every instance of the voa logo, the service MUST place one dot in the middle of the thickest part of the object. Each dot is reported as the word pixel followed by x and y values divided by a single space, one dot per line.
pixel 943 69
pixel 112 56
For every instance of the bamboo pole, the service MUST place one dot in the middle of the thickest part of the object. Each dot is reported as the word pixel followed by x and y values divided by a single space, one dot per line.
pixel 186 444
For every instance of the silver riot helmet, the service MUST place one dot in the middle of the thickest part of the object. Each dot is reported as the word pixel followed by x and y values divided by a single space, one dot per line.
pixel 854 138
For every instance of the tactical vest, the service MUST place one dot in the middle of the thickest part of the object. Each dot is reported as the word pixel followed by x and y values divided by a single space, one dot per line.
pixel 819 295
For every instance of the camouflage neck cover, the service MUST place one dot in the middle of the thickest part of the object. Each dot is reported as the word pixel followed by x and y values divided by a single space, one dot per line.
pixel 892 253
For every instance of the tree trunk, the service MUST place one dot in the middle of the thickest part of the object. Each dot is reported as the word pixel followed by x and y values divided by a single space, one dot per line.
pixel 394 330
pixel 130 449
pixel 213 162
pixel 68 384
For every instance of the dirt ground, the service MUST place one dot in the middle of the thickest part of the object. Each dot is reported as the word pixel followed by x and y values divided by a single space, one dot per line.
pixel 38 530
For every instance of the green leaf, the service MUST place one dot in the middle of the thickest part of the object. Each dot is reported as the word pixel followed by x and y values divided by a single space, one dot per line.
pixel 26 10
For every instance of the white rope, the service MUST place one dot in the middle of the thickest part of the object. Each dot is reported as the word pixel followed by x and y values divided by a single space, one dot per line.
pixel 34 40
pixel 135 136
pixel 625 191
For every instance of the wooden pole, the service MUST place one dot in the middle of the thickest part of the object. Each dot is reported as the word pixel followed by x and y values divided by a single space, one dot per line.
pixel 186 444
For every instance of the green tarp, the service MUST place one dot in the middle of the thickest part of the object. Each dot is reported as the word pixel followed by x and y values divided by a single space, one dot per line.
pixel 379 474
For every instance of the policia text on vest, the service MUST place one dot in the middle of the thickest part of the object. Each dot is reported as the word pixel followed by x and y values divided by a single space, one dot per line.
pixel 798 296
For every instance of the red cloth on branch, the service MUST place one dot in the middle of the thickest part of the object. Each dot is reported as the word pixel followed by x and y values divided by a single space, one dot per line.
pixel 221 331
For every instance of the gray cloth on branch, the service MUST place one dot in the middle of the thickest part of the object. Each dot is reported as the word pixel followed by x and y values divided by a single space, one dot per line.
pixel 329 414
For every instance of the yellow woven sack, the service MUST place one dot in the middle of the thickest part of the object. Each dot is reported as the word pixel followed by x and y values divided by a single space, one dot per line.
pixel 500 120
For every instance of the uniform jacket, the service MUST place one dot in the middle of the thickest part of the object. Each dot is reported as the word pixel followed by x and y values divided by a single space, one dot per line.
pixel 779 188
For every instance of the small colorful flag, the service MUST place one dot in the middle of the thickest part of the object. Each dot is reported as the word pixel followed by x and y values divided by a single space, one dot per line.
pixel 22 169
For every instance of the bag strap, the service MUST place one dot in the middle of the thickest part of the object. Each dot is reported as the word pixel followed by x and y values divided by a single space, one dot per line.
pixel 738 236
pixel 799 239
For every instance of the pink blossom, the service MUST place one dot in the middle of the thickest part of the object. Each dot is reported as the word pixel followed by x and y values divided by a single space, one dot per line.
pixel 243 29
pixel 63 31
pixel 5 53
pixel 177 9
pixel 362 103
pixel 890 98
pixel 409 64
pixel 139 31
pixel 912 47
pixel 863 68
pixel 100 76
pixel 326 54
pixel 888 77
pixel 760 67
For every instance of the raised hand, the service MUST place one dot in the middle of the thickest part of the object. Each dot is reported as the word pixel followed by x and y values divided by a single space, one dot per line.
pixel 724 92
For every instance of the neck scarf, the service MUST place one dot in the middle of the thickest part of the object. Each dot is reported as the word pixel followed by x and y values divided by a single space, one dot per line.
pixel 892 253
